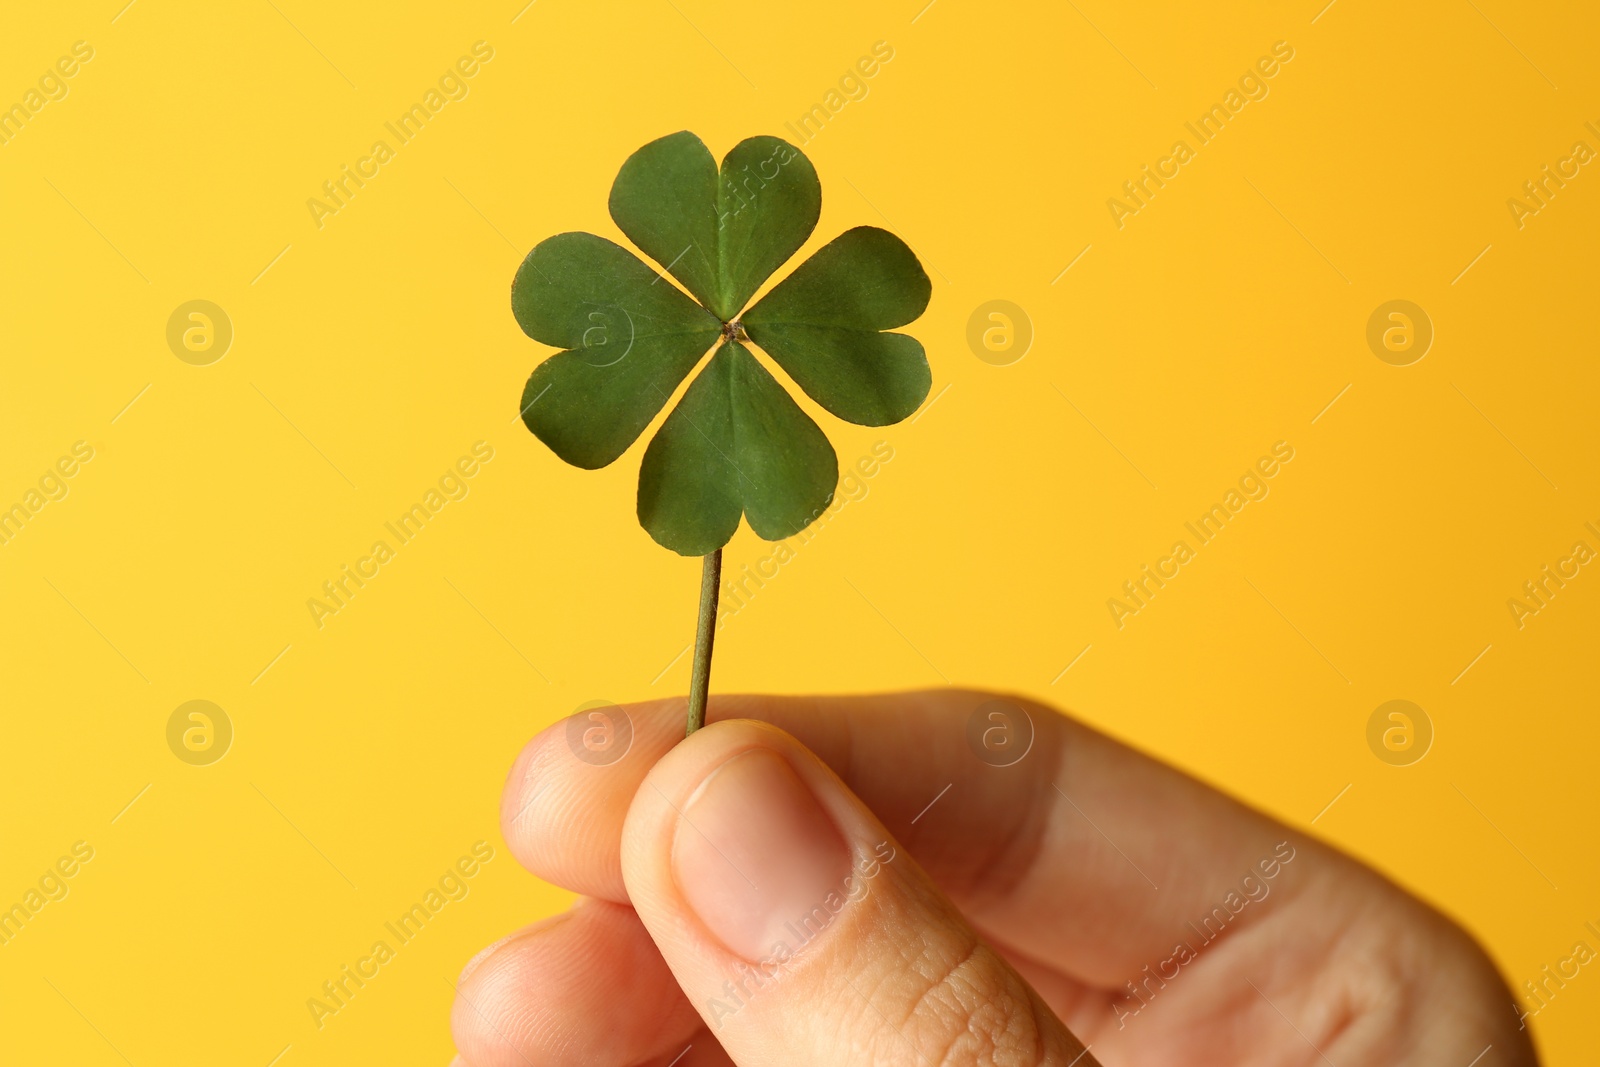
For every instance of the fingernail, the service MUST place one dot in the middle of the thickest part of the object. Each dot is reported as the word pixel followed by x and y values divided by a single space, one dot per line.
pixel 542 926
pixel 754 851
pixel 482 955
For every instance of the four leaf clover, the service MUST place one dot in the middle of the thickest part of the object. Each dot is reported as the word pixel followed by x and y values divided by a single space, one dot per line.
pixel 737 444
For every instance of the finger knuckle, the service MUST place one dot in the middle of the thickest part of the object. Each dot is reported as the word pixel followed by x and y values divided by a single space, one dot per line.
pixel 973 1011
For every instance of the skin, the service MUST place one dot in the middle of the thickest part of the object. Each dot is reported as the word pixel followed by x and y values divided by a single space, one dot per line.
pixel 1006 929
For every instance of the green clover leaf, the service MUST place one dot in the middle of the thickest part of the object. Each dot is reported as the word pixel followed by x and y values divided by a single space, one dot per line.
pixel 737 445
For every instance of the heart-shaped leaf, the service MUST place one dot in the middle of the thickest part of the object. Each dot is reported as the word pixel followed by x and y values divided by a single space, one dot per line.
pixel 630 337
pixel 720 234
pixel 735 444
pixel 768 202
pixel 665 200
pixel 822 325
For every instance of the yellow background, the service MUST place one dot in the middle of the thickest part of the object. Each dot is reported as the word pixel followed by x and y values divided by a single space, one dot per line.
pixel 1222 318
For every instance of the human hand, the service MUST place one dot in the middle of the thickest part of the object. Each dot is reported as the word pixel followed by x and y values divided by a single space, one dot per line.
pixel 843 880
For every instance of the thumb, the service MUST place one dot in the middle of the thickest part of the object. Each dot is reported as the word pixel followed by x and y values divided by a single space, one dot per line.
pixel 802 932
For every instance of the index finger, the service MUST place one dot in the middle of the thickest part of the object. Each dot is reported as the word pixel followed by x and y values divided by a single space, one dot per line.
pixel 1068 844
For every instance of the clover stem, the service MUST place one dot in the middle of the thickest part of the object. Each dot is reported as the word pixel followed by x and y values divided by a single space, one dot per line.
pixel 705 633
